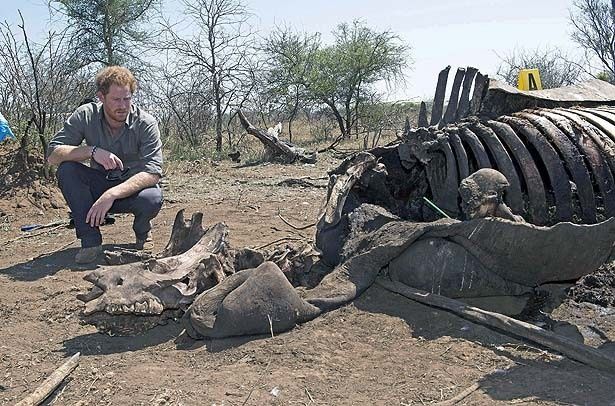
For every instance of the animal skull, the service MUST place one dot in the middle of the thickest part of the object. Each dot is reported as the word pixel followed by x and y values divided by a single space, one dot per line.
pixel 482 195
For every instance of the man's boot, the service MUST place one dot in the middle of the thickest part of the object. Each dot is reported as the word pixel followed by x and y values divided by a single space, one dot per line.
pixel 146 244
pixel 87 255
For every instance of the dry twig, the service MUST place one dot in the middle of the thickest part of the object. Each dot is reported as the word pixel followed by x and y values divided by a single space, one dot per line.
pixel 270 325
pixel 293 226
pixel 307 392
pixel 278 240
pixel 462 395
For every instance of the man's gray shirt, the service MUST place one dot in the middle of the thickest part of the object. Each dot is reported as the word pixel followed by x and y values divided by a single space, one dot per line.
pixel 138 145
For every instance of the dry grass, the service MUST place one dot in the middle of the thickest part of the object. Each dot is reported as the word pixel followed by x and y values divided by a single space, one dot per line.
pixel 312 136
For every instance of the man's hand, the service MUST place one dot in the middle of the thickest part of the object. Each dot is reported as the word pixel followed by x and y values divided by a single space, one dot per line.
pixel 139 181
pixel 98 211
pixel 107 159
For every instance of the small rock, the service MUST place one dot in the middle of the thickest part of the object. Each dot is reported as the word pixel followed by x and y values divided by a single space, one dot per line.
pixel 275 391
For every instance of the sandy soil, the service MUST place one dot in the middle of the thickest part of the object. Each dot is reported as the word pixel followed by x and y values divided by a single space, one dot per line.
pixel 382 349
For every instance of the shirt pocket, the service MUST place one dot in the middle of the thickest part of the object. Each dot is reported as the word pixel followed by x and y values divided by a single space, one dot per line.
pixel 130 150
pixel 131 159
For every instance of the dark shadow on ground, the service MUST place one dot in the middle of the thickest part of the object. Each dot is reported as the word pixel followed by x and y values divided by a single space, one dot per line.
pixel 47 265
pixel 185 342
pixel 251 163
pixel 103 344
pixel 529 378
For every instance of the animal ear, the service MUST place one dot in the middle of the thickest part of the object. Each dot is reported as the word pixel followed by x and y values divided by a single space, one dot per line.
pixel 91 295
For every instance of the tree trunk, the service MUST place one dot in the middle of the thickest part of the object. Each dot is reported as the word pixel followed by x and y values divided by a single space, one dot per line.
pixel 348 118
pixel 23 144
pixel 338 117
pixel 218 116
pixel 294 113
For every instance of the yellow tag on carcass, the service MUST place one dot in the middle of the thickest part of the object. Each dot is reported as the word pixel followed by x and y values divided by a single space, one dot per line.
pixel 529 79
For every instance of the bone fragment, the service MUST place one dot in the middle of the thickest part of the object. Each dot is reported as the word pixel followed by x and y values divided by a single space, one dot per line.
pixel 579 352
pixel 51 383
pixel 185 234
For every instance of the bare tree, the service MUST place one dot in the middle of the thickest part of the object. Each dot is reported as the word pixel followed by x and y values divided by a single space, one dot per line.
pixel 44 81
pixel 219 51
pixel 181 100
pixel 593 24
pixel 556 67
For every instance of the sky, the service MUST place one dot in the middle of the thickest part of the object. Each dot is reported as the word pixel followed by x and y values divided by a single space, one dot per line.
pixel 439 32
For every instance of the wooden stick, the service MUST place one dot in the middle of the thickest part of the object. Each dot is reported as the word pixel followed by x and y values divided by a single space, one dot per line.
pixel 576 351
pixel 51 383
pixel 45 231
pixel 461 396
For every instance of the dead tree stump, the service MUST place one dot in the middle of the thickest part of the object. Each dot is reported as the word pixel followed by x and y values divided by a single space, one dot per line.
pixel 276 148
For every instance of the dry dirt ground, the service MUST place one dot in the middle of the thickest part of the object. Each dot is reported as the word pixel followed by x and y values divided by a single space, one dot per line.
pixel 382 349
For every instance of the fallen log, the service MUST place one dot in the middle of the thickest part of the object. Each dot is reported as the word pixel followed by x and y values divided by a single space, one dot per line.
pixel 275 147
pixel 576 351
pixel 51 383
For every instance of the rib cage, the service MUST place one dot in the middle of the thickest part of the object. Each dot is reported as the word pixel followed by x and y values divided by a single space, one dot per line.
pixel 559 162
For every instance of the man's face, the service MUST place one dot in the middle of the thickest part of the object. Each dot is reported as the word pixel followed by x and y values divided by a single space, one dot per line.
pixel 116 103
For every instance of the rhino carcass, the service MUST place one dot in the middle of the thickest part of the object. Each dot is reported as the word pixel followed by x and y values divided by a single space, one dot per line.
pixel 554 168
pixel 485 259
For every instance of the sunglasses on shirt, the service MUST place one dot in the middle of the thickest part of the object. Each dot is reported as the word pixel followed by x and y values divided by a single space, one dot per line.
pixel 116 175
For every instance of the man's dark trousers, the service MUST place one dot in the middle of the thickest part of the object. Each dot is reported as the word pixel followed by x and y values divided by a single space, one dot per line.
pixel 82 186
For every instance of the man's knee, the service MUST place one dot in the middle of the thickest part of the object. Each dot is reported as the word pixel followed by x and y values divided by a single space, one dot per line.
pixel 68 169
pixel 68 173
pixel 148 202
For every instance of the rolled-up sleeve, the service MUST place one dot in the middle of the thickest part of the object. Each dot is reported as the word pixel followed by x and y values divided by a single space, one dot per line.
pixel 150 149
pixel 72 133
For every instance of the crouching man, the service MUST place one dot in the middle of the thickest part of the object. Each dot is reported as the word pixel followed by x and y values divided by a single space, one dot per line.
pixel 122 143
